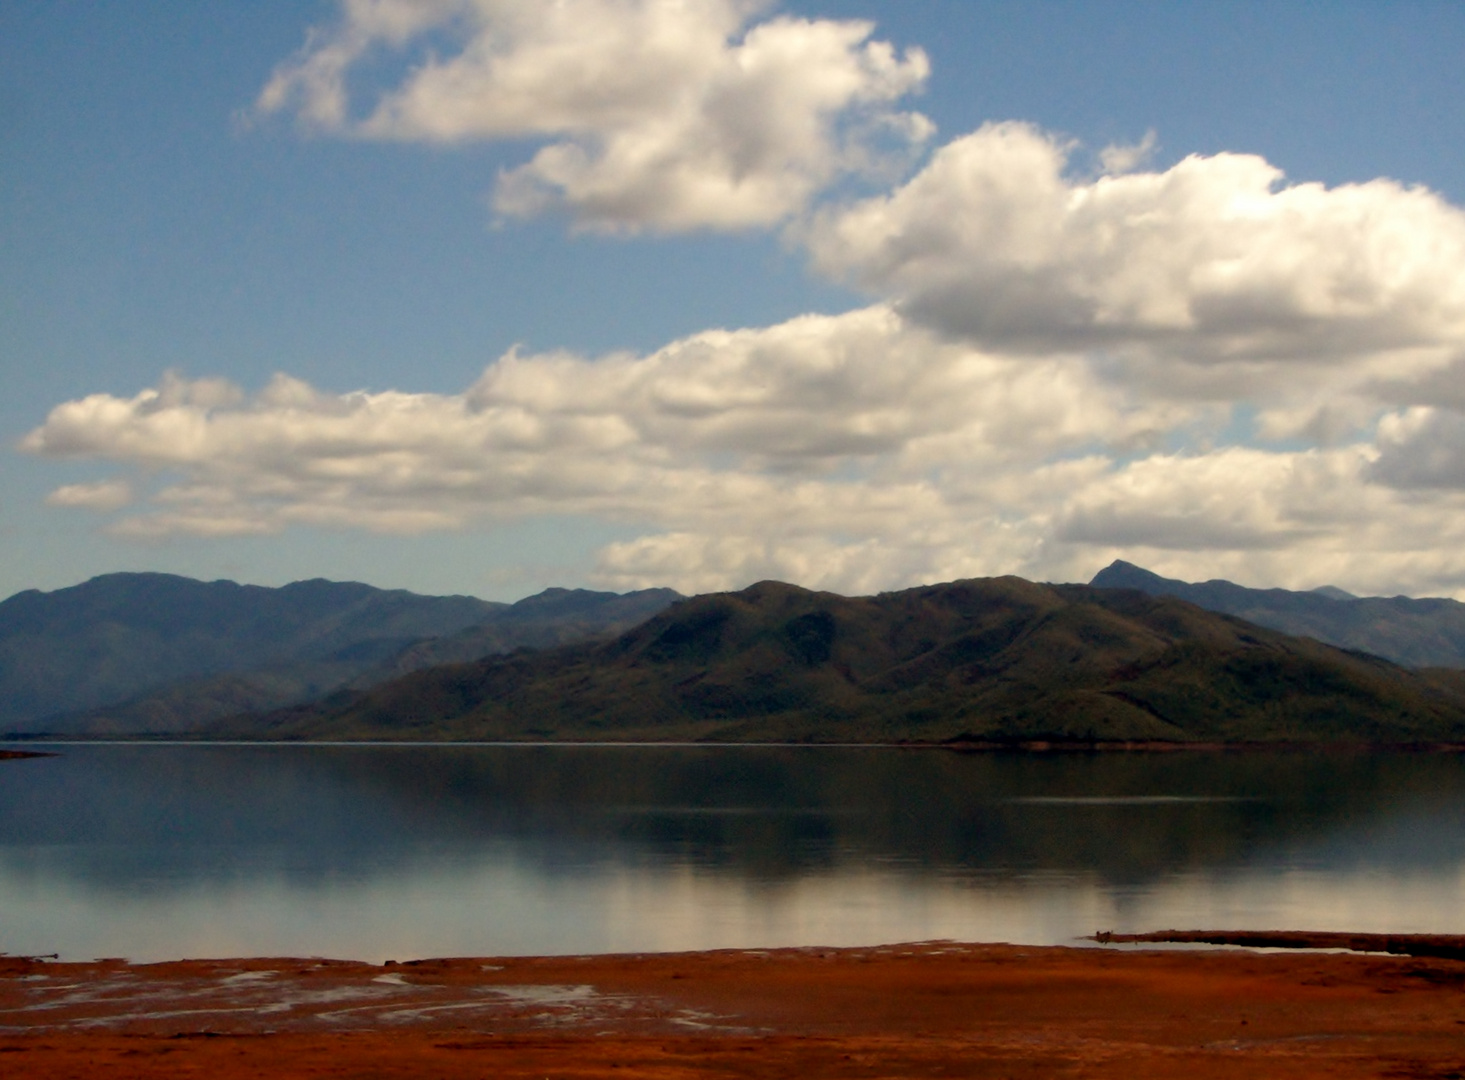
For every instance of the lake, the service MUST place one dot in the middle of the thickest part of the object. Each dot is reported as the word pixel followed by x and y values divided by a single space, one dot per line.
pixel 399 852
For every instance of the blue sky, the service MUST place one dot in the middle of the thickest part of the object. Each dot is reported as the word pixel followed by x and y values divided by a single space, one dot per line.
pixel 1129 373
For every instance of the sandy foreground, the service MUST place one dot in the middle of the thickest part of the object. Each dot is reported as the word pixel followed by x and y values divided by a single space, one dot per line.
pixel 933 1009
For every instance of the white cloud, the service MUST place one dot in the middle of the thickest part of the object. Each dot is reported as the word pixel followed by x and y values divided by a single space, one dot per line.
pixel 1295 519
pixel 1235 498
pixel 708 563
pixel 1122 158
pixel 663 114
pixel 102 496
pixel 794 437
pixel 1210 263
pixel 1422 448
pixel 852 452
pixel 1059 369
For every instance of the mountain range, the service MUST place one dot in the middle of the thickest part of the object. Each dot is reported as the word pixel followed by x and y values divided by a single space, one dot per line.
pixel 1415 633
pixel 998 660
pixel 156 652
pixel 1132 656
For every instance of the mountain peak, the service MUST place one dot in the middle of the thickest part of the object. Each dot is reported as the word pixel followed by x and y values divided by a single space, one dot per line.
pixel 1416 633
pixel 1125 575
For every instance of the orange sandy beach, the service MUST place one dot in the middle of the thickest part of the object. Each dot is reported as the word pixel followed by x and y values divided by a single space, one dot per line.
pixel 933 1009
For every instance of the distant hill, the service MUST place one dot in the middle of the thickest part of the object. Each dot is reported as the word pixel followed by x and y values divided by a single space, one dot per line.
pixel 155 652
pixel 553 617
pixel 999 659
pixel 1416 633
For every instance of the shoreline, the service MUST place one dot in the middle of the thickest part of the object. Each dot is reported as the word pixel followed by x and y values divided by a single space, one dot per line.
pixel 924 1009
pixel 1441 946
pixel 1022 746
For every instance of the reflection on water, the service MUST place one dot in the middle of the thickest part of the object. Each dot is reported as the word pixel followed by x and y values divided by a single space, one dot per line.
pixel 373 852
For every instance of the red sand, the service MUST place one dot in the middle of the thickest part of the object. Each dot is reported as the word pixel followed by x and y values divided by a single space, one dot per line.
pixel 906 1011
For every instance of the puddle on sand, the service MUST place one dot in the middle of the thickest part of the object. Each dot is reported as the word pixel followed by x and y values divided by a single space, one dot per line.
pixel 296 998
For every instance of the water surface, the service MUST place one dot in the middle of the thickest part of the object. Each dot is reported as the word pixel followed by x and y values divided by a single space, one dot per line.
pixel 377 852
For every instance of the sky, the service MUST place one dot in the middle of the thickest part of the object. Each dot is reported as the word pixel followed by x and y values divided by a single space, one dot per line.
pixel 484 296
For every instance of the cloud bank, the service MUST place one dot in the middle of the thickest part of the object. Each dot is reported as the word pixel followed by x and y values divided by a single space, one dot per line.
pixel 818 428
pixel 1202 367
pixel 856 452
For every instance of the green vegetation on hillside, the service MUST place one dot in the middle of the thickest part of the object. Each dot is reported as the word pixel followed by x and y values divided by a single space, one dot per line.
pixel 986 660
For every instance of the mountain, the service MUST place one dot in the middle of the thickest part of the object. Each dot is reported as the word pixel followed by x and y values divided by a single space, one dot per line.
pixel 985 660
pixel 1415 633
pixel 155 652
pixel 553 617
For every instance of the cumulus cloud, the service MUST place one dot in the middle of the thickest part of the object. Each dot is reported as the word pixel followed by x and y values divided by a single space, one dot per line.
pixel 1202 368
pixel 812 431
pixel 1234 498
pixel 1295 519
pixel 661 114
pixel 852 566
pixel 1291 518
pixel 1212 262
pixel 853 452
pixel 1422 448
pixel 103 495
pixel 1122 158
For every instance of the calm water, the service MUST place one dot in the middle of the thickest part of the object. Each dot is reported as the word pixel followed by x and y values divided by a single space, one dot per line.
pixel 374 852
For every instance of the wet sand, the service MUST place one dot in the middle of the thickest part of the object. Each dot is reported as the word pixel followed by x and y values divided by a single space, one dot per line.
pixel 935 1009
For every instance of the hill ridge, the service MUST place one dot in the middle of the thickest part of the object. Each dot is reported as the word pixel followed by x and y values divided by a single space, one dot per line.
pixel 1427 632
pixel 134 651
pixel 980 659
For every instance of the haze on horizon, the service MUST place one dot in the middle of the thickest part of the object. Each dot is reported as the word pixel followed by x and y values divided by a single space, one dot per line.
pixel 478 296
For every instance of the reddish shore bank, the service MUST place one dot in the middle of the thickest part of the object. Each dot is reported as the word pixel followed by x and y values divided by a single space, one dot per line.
pixel 1444 946
pixel 918 1010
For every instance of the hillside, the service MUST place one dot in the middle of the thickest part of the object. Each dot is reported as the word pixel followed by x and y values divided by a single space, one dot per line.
pixel 155 652
pixel 1416 633
pixel 553 617
pixel 997 659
